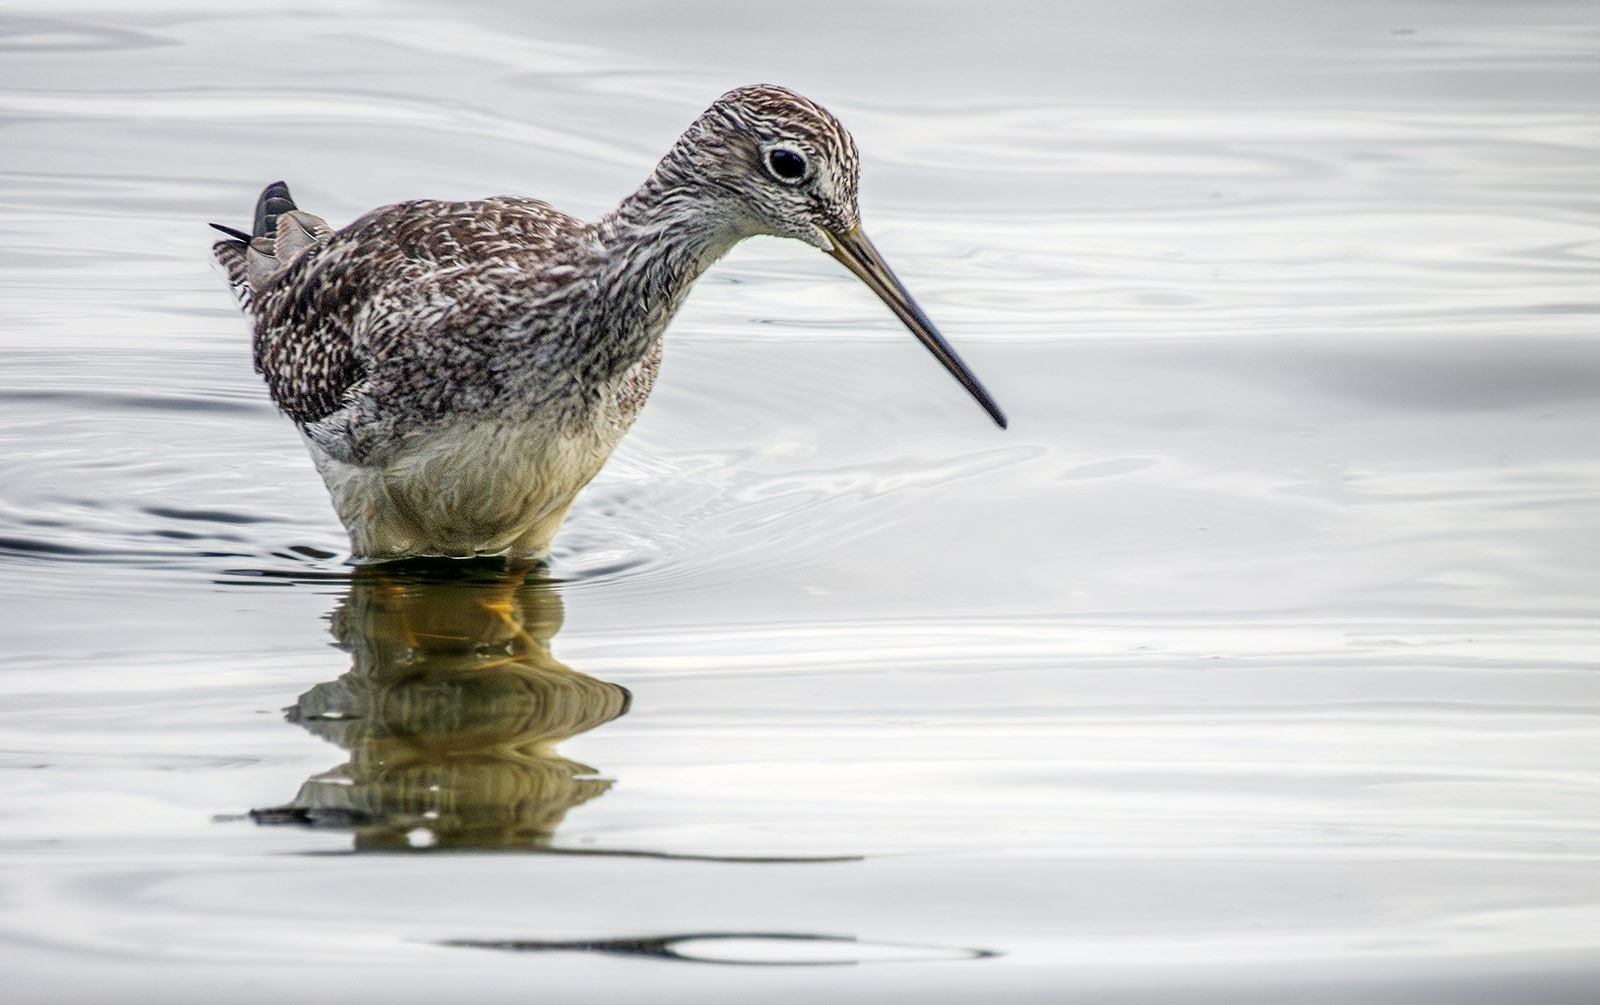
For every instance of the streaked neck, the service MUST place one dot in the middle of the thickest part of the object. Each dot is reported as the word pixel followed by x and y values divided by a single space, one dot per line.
pixel 653 247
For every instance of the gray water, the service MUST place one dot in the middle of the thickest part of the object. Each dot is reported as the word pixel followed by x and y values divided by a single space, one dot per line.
pixel 1257 661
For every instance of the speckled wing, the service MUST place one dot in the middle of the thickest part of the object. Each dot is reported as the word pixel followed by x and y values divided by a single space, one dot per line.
pixel 396 289
pixel 303 346
pixel 257 265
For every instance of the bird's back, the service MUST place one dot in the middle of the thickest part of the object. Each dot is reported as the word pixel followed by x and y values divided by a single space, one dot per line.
pixel 360 310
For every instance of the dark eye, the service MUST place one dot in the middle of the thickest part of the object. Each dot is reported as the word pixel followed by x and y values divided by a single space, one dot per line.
pixel 786 164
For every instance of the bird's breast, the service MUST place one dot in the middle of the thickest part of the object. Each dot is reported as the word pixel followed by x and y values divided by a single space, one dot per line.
pixel 478 485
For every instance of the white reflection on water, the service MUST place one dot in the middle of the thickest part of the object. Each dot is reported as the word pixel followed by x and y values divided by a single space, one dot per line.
pixel 1256 661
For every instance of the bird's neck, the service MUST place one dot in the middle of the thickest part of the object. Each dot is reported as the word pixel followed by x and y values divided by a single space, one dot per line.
pixel 652 248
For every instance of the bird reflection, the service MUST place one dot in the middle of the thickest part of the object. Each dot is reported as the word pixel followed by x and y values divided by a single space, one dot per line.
pixel 450 712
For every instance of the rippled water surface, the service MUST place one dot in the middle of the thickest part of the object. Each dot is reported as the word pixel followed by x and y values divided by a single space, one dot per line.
pixel 1256 661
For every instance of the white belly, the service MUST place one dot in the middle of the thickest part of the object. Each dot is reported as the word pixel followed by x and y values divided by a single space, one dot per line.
pixel 477 488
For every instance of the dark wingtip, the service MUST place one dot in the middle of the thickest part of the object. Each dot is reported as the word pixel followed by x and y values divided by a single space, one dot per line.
pixel 237 235
pixel 275 200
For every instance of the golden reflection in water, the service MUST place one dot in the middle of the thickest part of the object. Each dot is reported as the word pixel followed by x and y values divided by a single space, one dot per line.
pixel 450 713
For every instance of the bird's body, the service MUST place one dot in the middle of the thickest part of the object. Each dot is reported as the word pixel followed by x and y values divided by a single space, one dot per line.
pixel 472 409
pixel 460 370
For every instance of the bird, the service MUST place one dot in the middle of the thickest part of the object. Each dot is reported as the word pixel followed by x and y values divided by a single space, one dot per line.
pixel 460 370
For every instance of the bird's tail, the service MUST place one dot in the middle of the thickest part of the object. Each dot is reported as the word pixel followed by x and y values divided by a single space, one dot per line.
pixel 281 233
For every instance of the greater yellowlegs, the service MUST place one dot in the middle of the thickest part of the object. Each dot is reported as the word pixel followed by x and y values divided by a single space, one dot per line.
pixel 459 370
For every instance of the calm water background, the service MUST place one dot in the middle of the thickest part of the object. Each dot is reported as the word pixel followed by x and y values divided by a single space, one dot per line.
pixel 1257 661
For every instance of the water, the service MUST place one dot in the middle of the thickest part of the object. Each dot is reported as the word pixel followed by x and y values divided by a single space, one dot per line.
pixel 1256 661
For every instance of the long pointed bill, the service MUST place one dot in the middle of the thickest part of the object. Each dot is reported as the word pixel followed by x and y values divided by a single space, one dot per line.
pixel 859 256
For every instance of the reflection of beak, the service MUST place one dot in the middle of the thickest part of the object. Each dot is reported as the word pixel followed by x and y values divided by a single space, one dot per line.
pixel 859 256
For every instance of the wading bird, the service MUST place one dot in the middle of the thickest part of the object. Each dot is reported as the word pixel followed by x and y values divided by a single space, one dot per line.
pixel 459 370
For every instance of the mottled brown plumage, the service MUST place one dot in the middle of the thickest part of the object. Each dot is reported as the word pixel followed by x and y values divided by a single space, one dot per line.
pixel 461 369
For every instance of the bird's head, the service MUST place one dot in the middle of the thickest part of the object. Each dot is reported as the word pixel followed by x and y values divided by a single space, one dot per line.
pixel 784 163
pixel 776 163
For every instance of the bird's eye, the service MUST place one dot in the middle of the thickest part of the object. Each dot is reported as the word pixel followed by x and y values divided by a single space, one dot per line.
pixel 786 165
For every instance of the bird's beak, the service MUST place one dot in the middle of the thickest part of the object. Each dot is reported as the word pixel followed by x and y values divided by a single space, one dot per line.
pixel 859 256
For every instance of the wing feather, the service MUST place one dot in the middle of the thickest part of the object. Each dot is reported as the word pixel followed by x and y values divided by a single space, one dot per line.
pixel 393 293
